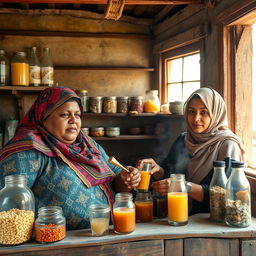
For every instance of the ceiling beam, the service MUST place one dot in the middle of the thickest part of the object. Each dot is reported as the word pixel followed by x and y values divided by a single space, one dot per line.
pixel 163 13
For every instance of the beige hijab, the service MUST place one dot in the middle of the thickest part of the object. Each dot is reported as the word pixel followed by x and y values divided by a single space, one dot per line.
pixel 204 148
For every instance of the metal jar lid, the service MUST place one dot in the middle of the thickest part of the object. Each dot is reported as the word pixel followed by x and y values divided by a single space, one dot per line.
pixel 97 129
pixel 113 128
pixel 110 98
pixel 82 92
pixel 95 97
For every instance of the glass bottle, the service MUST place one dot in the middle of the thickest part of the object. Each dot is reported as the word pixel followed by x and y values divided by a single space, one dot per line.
pixel 238 197
pixel 159 205
pixel 177 201
pixel 144 206
pixel 84 99
pixel 34 68
pixel 47 71
pixel 50 225
pixel 4 69
pixel 152 102
pixel 124 213
pixel 17 208
pixel 20 69
pixel 218 192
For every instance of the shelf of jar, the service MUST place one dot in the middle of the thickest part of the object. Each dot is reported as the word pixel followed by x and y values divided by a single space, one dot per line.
pixel 22 88
pixel 131 115
pixel 148 69
pixel 127 137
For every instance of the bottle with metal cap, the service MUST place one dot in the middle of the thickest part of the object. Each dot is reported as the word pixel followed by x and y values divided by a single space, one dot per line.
pixel 34 68
pixel 47 71
pixel 84 99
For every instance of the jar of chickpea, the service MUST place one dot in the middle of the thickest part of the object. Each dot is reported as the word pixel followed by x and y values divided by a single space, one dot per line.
pixel 17 208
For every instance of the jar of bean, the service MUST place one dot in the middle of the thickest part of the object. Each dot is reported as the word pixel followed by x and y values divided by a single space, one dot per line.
pixel 50 226
pixel 17 207
pixel 122 104
pixel 136 104
pixel 109 104
pixel 95 104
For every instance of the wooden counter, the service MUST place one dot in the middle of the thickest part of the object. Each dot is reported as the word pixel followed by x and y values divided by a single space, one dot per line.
pixel 199 237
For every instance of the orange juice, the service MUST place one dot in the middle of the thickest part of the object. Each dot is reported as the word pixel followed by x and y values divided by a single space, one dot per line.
pixel 124 220
pixel 99 226
pixel 144 182
pixel 178 207
pixel 144 211
pixel 20 74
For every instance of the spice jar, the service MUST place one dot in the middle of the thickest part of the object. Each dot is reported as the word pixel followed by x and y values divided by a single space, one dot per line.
pixel 218 192
pixel 122 104
pixel 159 205
pixel 97 131
pixel 238 197
pixel 20 69
pixel 95 104
pixel 50 226
pixel 124 213
pixel 144 206
pixel 17 207
pixel 84 99
pixel 109 104
pixel 136 104
pixel 112 131
pixel 4 69
pixel 177 201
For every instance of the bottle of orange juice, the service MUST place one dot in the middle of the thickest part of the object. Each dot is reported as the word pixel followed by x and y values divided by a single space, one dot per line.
pixel 144 206
pixel 177 201
pixel 124 213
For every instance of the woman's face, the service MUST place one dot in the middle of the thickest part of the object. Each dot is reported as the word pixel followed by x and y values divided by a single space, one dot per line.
pixel 65 122
pixel 198 116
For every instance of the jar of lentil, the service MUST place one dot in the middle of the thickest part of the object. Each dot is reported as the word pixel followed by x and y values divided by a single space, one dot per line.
pixel 97 131
pixel 122 104
pixel 50 226
pixel 17 208
pixel 136 104
pixel 84 99
pixel 95 104
pixel 109 104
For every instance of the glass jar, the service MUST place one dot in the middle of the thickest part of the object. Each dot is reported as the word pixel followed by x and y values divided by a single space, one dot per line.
pixel 34 68
pixel 4 69
pixel 109 104
pixel 159 205
pixel 85 130
pixel 20 69
pixel 124 213
pixel 152 102
pixel 136 104
pixel 17 211
pixel 50 225
pixel 144 206
pixel 218 192
pixel 47 69
pixel 238 197
pixel 112 131
pixel 122 104
pixel 84 99
pixel 177 201
pixel 95 104
pixel 97 131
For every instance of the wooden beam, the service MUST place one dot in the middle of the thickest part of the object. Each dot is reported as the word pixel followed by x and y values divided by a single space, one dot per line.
pixel 51 6
pixel 163 13
pixel 24 5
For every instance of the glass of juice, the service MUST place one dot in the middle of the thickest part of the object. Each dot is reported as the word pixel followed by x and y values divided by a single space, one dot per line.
pixel 99 219
pixel 145 176
pixel 144 206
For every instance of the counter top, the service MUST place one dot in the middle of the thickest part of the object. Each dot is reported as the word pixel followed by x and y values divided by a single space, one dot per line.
pixel 199 226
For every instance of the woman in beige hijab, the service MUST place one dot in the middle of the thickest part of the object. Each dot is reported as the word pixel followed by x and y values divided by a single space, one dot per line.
pixel 207 139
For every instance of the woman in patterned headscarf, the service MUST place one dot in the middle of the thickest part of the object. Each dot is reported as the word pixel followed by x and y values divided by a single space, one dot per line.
pixel 63 166
pixel 207 139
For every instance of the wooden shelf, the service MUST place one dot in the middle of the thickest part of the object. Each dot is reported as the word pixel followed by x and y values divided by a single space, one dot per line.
pixel 127 137
pixel 131 115
pixel 147 69
pixel 23 88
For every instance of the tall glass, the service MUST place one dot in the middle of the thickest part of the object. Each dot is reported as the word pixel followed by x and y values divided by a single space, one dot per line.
pixel 145 176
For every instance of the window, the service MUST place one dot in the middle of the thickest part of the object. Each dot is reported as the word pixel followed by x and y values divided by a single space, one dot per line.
pixel 254 96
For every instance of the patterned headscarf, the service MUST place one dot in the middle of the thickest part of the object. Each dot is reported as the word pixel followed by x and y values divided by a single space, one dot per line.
pixel 82 156
pixel 204 147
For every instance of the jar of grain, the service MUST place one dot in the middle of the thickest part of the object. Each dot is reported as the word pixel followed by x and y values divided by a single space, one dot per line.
pixel 97 131
pixel 95 104
pixel 50 226
pixel 136 104
pixel 17 207
pixel 109 104
pixel 122 104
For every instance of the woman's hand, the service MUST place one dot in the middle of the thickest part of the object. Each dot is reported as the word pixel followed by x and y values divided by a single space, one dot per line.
pixel 161 186
pixel 131 178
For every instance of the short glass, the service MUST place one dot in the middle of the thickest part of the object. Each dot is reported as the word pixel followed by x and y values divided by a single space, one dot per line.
pixel 145 176
pixel 99 219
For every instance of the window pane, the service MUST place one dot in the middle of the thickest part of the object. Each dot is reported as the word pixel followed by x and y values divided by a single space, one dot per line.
pixel 254 96
pixel 191 68
pixel 174 92
pixel 174 68
pixel 189 88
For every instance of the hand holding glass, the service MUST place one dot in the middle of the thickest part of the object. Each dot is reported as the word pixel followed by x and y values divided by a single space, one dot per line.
pixel 145 176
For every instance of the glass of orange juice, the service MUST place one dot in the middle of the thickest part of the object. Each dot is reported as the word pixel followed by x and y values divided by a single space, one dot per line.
pixel 145 176
pixel 99 219
pixel 177 201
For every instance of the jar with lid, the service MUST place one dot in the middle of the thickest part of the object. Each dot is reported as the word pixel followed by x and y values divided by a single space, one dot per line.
pixel 152 102
pixel 97 131
pixel 20 69
pixel 109 104
pixel 143 206
pixel 124 213
pixel 4 69
pixel 159 205
pixel 50 225
pixel 136 104
pixel 122 104
pixel 238 197
pixel 34 68
pixel 177 201
pixel 95 104
pixel 218 192
pixel 85 130
pixel 112 131
pixel 17 211
pixel 47 70
pixel 84 99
